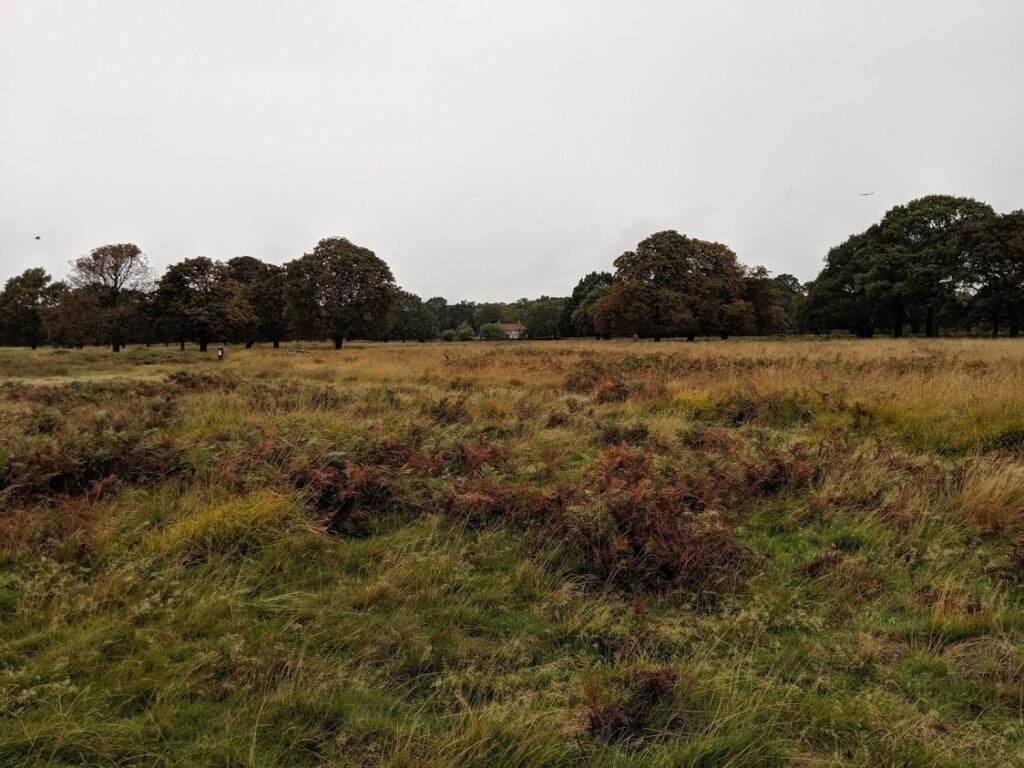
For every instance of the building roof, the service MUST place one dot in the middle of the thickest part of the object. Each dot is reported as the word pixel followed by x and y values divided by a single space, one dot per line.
pixel 510 327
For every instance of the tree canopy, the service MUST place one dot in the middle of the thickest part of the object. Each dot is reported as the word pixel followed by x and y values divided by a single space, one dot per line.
pixel 342 289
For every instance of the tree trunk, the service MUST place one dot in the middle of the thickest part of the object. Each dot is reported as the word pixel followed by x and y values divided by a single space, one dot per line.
pixel 181 345
pixel 203 343
pixel 995 327
pixel 277 343
pixel 115 346
pixel 915 328
pixel 338 341
pixel 248 345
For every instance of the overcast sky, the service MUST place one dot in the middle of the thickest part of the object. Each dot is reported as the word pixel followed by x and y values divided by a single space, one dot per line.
pixel 490 150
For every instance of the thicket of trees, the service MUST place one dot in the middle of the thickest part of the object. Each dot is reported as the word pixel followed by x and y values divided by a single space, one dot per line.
pixel 674 285
pixel 937 263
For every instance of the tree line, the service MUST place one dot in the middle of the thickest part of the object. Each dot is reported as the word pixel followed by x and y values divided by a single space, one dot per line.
pixel 936 262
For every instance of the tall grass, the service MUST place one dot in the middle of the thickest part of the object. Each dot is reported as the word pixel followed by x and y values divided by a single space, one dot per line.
pixel 741 553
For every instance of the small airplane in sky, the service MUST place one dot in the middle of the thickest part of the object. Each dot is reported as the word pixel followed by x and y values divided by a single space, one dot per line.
pixel 866 194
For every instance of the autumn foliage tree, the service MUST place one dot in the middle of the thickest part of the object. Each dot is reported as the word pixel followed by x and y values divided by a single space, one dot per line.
pixel 111 278
pixel 674 285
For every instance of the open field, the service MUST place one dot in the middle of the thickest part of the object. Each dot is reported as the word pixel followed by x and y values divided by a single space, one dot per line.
pixel 743 553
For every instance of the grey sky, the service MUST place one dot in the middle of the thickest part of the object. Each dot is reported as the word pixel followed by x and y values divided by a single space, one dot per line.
pixel 492 150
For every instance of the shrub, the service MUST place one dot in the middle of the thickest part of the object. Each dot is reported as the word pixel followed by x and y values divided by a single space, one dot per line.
pixel 492 332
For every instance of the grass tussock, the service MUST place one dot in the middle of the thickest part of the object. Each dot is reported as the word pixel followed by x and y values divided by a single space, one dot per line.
pixel 992 497
pixel 237 527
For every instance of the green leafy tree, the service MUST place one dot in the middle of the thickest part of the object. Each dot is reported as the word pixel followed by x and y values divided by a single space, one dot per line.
pixel 907 268
pixel 573 322
pixel 23 303
pixel 492 332
pixel 464 332
pixel 263 287
pixel 920 254
pixel 461 313
pixel 111 278
pixel 340 290
pixel 994 270
pixel 765 312
pixel 792 297
pixel 438 307
pixel 413 320
pixel 582 319
pixel 543 317
pixel 491 312
pixel 202 302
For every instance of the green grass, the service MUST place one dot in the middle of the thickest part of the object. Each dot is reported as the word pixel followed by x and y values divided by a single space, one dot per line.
pixel 473 555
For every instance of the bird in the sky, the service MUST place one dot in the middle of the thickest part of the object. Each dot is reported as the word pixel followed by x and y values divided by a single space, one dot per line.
pixel 38 237
pixel 866 194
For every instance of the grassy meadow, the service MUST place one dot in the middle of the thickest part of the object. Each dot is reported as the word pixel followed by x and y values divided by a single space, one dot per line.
pixel 743 553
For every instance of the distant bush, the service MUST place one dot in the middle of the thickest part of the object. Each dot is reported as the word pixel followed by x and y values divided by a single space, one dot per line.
pixel 492 332
pixel 464 332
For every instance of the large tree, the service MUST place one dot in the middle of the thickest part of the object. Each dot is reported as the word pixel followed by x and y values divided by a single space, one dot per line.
pixel 762 294
pixel 583 321
pixel 341 289
pixel 921 252
pixel 674 285
pixel 994 270
pixel 203 302
pixel 792 297
pixel 412 320
pixel 112 277
pixel 23 302
pixel 837 297
pixel 576 323
pixel 906 268
pixel 542 317
pixel 262 286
